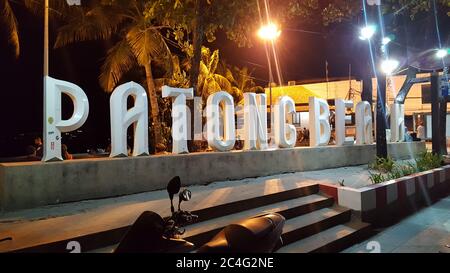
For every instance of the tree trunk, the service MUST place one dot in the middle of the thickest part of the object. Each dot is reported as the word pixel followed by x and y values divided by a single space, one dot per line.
pixel 366 94
pixel 197 42
pixel 443 124
pixel 435 124
pixel 381 117
pixel 156 124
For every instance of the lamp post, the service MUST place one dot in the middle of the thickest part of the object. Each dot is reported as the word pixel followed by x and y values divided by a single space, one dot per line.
pixel 269 33
pixel 382 66
pixel 46 38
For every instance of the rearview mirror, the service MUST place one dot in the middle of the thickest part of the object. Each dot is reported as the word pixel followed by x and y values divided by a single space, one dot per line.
pixel 185 195
pixel 173 187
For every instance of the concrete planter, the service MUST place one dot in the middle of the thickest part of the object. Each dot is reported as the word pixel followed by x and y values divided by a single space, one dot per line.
pixel 385 202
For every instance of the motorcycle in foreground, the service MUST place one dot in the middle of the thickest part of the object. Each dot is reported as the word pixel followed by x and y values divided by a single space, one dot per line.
pixel 150 233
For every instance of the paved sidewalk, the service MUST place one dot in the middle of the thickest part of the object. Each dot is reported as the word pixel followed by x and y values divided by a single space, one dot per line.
pixel 354 176
pixel 426 231
pixel 34 226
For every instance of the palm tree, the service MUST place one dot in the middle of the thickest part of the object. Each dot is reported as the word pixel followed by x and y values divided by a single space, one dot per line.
pixel 9 23
pixel 178 77
pixel 137 43
pixel 241 80
pixel 209 81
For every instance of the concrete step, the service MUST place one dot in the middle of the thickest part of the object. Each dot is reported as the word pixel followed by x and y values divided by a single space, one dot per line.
pixel 202 232
pixel 309 224
pixel 333 239
pixel 296 227
pixel 256 202
pixel 106 238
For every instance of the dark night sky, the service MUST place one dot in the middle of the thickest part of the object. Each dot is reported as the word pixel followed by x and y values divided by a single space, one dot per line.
pixel 302 56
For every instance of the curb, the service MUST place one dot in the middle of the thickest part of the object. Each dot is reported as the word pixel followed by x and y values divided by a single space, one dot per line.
pixel 388 201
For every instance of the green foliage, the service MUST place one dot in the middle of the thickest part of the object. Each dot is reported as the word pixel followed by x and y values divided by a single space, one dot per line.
pixel 241 80
pixel 413 7
pixel 339 10
pixel 217 75
pixel 382 164
pixel 376 178
pixel 209 81
pixel 408 169
pixel 137 41
pixel 427 160
pixel 136 44
pixel 9 24
pixel 400 171
pixel 238 19
pixel 389 170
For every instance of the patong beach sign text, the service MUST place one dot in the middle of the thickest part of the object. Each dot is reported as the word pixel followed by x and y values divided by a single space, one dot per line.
pixel 220 129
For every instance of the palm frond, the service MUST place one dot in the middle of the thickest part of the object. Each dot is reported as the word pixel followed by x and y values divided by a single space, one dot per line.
pixel 206 53
pixel 213 61
pixel 9 22
pixel 237 94
pixel 186 64
pixel 98 23
pixel 57 8
pixel 223 83
pixel 204 71
pixel 148 44
pixel 176 64
pixel 118 61
pixel 160 82
pixel 257 90
pixel 229 76
pixel 210 87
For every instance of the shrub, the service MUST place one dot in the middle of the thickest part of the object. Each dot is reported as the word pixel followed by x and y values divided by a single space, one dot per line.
pixel 382 164
pixel 376 178
pixel 426 161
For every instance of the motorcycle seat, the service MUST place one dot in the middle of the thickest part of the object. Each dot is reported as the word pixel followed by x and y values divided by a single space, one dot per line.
pixel 257 234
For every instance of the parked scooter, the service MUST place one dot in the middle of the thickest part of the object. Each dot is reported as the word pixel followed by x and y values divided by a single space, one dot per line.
pixel 151 233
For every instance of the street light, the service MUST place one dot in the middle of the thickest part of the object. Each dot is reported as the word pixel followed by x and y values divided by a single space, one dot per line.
pixel 386 40
pixel 367 32
pixel 388 66
pixel 442 53
pixel 269 32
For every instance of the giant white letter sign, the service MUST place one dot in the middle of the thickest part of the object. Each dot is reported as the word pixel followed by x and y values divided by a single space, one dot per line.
pixel 319 125
pixel 255 121
pixel 122 118
pixel 363 116
pixel 341 120
pixel 285 134
pixel 179 117
pixel 215 140
pixel 397 122
pixel 53 125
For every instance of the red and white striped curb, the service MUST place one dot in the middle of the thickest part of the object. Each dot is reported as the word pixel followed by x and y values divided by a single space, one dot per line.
pixel 378 196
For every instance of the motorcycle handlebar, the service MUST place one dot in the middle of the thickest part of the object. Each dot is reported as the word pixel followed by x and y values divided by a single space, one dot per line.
pixel 178 219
